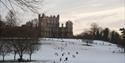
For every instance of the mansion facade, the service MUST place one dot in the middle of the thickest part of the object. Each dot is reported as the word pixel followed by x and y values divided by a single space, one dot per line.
pixel 49 27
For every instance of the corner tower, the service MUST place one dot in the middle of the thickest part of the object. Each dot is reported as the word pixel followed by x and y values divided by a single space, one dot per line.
pixel 69 28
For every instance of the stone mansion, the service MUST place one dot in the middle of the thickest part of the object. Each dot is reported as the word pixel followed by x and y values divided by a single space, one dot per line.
pixel 50 27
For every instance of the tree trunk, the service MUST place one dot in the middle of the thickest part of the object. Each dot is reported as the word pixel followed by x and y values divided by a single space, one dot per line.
pixel 14 56
pixel 30 57
pixel 21 57
pixel 124 50
pixel 3 58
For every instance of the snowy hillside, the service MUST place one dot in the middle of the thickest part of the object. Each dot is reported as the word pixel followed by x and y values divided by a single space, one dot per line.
pixel 76 51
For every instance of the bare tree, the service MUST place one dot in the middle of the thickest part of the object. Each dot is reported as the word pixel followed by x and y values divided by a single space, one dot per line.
pixel 20 46
pixel 94 28
pixel 23 46
pixel 11 19
pixel 14 50
pixel 32 47
pixel 4 49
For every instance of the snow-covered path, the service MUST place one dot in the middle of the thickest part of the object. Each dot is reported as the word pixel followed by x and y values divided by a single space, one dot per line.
pixel 75 51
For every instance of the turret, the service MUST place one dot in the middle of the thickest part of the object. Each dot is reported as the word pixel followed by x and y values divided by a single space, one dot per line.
pixel 38 17
pixel 69 28
pixel 69 24
pixel 58 17
pixel 43 15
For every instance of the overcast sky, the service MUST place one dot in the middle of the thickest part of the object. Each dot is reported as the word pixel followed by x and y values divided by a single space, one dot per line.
pixel 106 13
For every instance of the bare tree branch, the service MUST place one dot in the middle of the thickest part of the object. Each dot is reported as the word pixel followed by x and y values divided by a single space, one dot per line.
pixel 32 5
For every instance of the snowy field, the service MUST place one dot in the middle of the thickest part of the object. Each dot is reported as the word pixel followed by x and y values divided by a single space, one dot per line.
pixel 76 51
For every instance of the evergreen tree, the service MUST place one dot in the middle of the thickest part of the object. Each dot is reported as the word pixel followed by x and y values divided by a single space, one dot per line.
pixel 99 34
pixel 115 37
pixel 123 38
pixel 106 34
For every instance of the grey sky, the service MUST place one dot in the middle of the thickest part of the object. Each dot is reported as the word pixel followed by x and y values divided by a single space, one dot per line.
pixel 106 13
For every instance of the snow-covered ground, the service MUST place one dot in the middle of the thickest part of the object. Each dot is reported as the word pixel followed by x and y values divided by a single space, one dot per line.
pixel 76 51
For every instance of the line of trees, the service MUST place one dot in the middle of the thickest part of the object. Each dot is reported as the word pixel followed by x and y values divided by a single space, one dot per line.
pixel 18 46
pixel 98 33
pixel 16 39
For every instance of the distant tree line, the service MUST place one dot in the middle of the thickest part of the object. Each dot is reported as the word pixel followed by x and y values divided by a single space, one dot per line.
pixel 16 39
pixel 10 28
pixel 98 33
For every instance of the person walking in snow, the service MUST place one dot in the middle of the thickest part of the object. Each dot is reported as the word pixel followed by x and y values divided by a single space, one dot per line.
pixel 77 52
pixel 68 53
pixel 54 62
pixel 56 54
pixel 63 54
pixel 73 56
pixel 66 59
pixel 60 59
